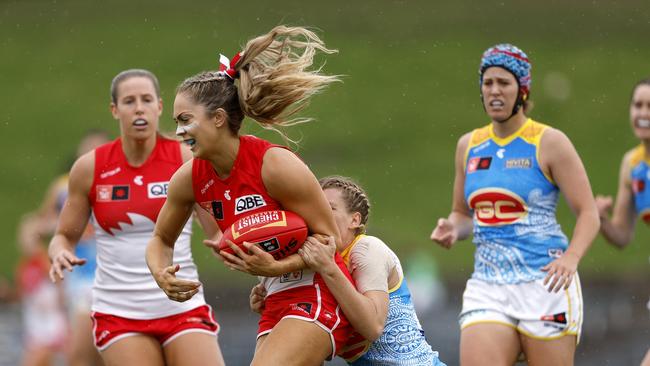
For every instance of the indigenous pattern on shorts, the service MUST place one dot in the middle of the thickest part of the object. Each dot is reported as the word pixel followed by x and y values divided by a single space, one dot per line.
pixel 640 177
pixel 513 204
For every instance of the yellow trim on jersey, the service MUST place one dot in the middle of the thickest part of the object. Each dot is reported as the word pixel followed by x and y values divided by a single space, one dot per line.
pixel 502 141
pixel 638 155
pixel 531 132
pixel 479 136
pixel 345 254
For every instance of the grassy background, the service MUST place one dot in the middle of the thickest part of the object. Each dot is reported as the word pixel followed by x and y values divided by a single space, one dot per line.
pixel 409 91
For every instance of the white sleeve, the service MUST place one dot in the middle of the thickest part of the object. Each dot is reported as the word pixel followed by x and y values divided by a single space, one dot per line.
pixel 371 264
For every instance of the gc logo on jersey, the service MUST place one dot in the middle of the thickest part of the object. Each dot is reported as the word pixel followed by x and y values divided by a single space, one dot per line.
pixel 157 190
pixel 497 206
pixel 248 203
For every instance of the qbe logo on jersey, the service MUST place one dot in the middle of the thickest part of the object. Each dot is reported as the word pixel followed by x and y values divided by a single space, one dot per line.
pixel 157 190
pixel 496 206
pixel 247 203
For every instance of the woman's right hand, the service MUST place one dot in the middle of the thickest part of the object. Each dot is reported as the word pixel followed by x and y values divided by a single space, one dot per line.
pixel 445 233
pixel 175 289
pixel 64 260
pixel 604 205
pixel 256 298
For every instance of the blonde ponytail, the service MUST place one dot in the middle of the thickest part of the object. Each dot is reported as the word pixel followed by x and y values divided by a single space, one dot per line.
pixel 275 82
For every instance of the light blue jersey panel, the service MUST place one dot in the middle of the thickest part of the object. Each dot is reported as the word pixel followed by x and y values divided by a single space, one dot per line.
pixel 403 342
pixel 640 176
pixel 513 204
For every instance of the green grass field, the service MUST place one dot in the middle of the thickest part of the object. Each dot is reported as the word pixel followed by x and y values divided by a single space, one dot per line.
pixel 410 90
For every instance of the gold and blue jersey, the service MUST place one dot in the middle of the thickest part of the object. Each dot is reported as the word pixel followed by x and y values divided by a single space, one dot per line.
pixel 513 204
pixel 402 343
pixel 640 177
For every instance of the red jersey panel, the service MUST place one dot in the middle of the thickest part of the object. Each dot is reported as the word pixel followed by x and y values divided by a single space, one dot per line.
pixel 119 188
pixel 241 194
pixel 125 202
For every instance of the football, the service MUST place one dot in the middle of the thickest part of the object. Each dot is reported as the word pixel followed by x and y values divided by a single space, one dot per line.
pixel 279 233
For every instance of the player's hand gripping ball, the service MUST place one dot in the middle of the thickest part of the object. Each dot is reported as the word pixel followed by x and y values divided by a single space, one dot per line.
pixel 279 233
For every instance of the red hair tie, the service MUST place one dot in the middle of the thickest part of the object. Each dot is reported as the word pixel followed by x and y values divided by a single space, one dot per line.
pixel 228 66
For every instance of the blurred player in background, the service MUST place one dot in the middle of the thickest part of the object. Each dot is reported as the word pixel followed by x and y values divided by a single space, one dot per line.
pixel 78 287
pixel 235 175
pixel 633 196
pixel 123 185
pixel 380 308
pixel 524 294
pixel 44 319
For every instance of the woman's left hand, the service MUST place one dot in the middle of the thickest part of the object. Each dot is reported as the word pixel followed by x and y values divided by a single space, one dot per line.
pixel 253 260
pixel 175 288
pixel 560 272
pixel 319 255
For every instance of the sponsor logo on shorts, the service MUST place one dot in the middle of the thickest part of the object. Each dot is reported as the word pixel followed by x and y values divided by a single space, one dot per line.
pixel 291 277
pixel 497 206
pixel 478 163
pixel 302 306
pixel 110 193
pixel 199 320
pixel 520 163
pixel 157 189
pixel 248 203
pixel 103 335
pixel 215 208
pixel 555 318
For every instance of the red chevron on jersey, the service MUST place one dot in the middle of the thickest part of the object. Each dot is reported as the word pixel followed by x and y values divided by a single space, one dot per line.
pixel 122 194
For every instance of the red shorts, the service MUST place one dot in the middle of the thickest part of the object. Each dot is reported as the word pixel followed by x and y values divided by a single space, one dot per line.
pixel 108 329
pixel 313 303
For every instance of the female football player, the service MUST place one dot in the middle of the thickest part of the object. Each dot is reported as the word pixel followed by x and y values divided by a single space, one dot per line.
pixel 234 175
pixel 524 294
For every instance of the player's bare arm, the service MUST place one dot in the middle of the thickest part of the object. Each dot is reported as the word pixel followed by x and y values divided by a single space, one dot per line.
pixel 559 159
pixel 73 219
pixel 160 250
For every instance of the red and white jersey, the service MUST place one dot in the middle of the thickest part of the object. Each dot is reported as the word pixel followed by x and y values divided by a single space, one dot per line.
pixel 240 194
pixel 125 202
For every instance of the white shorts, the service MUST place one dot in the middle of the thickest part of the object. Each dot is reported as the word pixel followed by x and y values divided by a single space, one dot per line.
pixel 527 307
